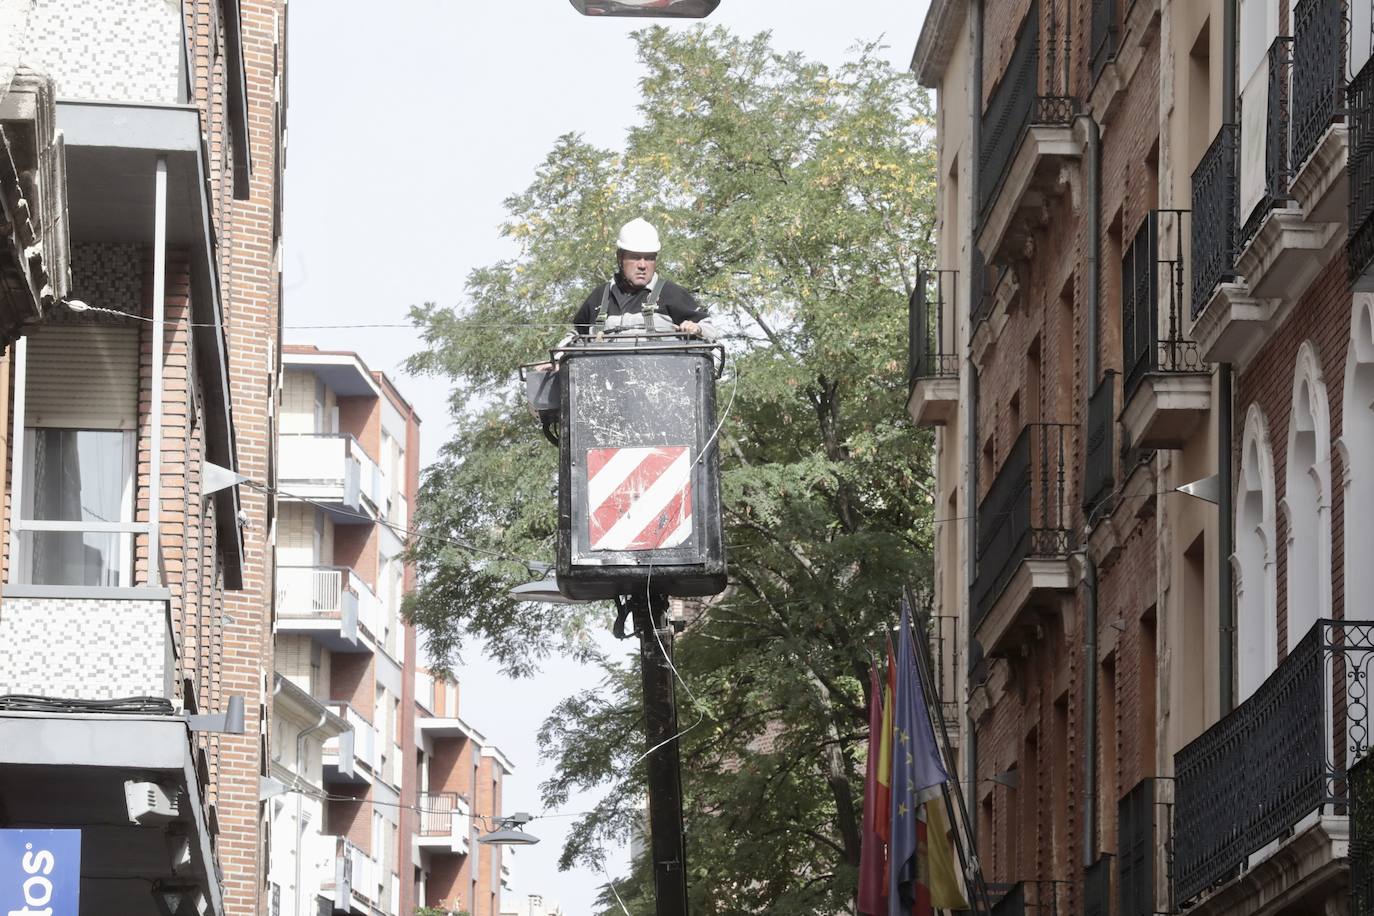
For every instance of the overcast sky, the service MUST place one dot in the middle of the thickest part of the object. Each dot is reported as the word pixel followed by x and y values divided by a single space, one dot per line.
pixel 409 123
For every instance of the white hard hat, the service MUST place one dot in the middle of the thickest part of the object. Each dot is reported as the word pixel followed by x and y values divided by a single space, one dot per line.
pixel 638 235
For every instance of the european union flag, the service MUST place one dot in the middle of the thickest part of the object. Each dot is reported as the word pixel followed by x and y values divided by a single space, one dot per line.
pixel 917 771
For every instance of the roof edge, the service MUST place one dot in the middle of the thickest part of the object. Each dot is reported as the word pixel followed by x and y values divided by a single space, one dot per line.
pixel 937 40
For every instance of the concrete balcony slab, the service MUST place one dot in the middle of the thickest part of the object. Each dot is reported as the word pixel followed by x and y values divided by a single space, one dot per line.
pixel 1232 325
pixel 933 401
pixel 1035 176
pixel 1030 598
pixel 1166 409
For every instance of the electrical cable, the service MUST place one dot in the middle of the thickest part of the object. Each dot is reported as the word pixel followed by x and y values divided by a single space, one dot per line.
pixel 610 882
pixel 701 713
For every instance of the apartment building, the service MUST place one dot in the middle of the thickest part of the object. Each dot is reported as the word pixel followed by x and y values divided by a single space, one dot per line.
pixel 140 313
pixel 347 471
pixel 460 774
pixel 1153 241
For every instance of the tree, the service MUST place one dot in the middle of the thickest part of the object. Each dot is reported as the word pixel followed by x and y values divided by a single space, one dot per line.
pixel 797 200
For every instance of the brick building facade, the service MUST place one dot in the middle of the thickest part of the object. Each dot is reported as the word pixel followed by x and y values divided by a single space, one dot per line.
pixel 133 562
pixel 1150 234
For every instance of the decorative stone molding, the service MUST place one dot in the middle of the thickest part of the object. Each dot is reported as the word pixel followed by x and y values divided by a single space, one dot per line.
pixel 1320 184
pixel 1033 178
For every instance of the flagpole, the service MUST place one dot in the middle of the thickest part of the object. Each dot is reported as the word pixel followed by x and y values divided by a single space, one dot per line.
pixel 960 807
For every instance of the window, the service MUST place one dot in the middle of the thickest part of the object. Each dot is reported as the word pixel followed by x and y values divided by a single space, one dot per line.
pixel 1256 583
pixel 1307 499
pixel 76 411
pixel 78 495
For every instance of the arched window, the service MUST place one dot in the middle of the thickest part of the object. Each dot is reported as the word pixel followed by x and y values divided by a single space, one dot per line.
pixel 1307 498
pixel 1357 443
pixel 1256 575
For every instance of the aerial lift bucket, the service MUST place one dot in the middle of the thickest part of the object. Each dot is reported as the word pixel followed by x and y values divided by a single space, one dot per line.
pixel 639 473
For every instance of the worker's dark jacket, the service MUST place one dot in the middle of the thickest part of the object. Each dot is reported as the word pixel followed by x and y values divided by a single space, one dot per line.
pixel 673 300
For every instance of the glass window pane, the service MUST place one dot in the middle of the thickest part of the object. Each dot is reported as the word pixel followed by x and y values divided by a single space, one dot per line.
pixel 77 475
pixel 75 558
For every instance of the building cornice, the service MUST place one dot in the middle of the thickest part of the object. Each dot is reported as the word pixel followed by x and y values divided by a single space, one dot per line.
pixel 938 37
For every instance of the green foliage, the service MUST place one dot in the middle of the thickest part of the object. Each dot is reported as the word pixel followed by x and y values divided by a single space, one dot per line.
pixel 796 201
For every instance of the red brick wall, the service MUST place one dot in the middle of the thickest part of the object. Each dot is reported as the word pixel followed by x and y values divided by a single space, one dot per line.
pixel 1035 722
pixel 250 273
pixel 1322 317
pixel 361 417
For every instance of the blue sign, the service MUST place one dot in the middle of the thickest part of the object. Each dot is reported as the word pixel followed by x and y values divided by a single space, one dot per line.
pixel 40 872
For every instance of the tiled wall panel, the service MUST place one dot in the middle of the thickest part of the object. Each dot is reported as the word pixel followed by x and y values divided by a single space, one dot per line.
pixel 84 648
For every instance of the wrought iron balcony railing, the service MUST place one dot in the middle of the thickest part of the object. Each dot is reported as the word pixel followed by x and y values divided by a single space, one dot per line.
pixel 1015 105
pixel 1277 174
pixel 932 351
pixel 1104 33
pixel 1034 898
pixel 1025 512
pixel 1151 279
pixel 1318 72
pixel 1098 450
pixel 1214 217
pixel 1279 756
pixel 1360 96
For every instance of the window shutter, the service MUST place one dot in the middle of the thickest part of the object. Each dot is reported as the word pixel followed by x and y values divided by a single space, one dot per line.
pixel 82 376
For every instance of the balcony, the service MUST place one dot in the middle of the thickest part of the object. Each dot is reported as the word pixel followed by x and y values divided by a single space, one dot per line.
pixel 1360 247
pixel 129 52
pixel 1104 33
pixel 321 602
pixel 1023 537
pixel 1166 389
pixel 1282 823
pixel 1099 458
pixel 90 682
pixel 333 472
pixel 1032 898
pixel 1027 138
pixel 352 756
pixel 445 823
pixel 1318 150
pixel 351 877
pixel 932 349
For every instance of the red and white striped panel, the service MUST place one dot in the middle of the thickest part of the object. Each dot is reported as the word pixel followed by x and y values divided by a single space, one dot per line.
pixel 639 498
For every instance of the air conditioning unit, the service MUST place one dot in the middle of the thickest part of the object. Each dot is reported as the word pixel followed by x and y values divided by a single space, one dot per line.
pixel 149 804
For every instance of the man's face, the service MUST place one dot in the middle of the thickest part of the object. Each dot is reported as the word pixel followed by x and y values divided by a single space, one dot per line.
pixel 638 266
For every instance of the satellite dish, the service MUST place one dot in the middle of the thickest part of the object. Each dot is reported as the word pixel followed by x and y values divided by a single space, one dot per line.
pixel 661 9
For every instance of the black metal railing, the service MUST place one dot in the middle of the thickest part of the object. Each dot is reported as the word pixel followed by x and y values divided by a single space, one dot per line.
pixel 1025 512
pixel 1034 898
pixel 931 348
pixel 1318 72
pixel 1099 453
pixel 1152 282
pixel 1277 174
pixel 1362 836
pixel 1104 33
pixel 1097 887
pixel 1360 97
pixel 1303 725
pixel 1135 850
pixel 1015 105
pixel 1214 217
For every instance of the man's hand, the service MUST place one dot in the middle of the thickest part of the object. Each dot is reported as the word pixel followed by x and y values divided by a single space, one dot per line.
pixel 691 328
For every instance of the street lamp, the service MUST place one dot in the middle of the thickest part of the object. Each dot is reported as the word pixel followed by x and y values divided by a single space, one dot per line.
pixel 661 9
pixel 508 832
pixel 543 590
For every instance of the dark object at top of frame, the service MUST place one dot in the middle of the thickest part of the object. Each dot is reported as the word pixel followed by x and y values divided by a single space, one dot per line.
pixel 660 9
